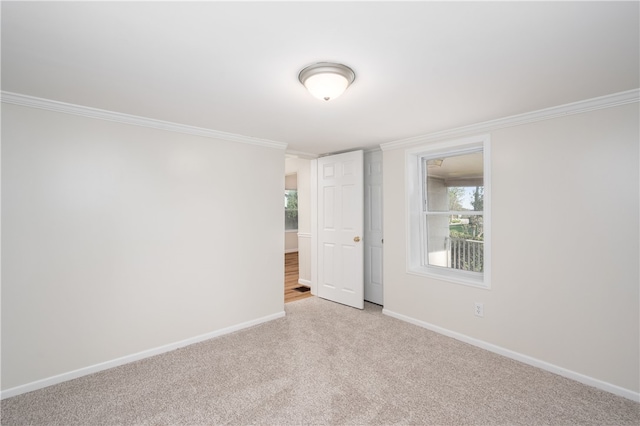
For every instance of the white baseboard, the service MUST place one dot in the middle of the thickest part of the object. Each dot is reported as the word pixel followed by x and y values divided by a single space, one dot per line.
pixel 39 384
pixel 304 282
pixel 293 250
pixel 578 377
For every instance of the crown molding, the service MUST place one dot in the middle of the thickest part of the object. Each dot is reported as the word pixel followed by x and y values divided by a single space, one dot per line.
pixel 608 101
pixel 300 154
pixel 100 114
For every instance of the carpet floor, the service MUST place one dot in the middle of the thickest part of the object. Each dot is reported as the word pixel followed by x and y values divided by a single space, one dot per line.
pixel 323 363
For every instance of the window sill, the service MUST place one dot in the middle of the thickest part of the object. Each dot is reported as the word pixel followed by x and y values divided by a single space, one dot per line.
pixel 453 276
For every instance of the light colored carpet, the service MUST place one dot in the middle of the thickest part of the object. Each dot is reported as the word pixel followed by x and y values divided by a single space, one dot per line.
pixel 323 363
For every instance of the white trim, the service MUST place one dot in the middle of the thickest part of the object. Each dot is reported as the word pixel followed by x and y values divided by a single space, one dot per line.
pixel 49 381
pixel 372 149
pixel 578 377
pixel 101 114
pixel 291 230
pixel 300 154
pixel 304 282
pixel 293 250
pixel 416 248
pixel 608 101
pixel 304 235
pixel 313 183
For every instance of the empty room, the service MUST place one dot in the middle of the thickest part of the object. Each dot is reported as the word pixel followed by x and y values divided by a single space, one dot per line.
pixel 461 204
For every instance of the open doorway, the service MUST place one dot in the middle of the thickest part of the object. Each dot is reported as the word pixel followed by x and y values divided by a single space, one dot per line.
pixel 293 290
pixel 297 228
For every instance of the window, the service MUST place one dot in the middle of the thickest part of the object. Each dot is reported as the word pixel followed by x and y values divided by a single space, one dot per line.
pixel 448 205
pixel 290 210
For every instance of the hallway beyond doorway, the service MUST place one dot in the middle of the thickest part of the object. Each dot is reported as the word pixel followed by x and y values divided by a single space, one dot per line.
pixel 291 276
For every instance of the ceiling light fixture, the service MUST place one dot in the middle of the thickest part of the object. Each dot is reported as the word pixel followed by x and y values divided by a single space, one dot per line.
pixel 326 80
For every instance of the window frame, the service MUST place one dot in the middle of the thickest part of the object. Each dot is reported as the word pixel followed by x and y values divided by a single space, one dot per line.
pixel 415 199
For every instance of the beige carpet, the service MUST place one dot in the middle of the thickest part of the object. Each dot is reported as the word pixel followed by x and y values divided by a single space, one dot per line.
pixel 323 363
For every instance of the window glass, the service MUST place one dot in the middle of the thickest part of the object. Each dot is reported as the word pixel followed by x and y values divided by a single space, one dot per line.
pixel 290 209
pixel 453 188
pixel 448 199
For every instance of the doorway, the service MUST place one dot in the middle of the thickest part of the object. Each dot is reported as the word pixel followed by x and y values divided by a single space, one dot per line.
pixel 293 290
pixel 297 227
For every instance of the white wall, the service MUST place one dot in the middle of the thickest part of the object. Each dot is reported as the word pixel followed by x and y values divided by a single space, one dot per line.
pixel 290 180
pixel 290 241
pixel 565 278
pixel 117 239
pixel 302 167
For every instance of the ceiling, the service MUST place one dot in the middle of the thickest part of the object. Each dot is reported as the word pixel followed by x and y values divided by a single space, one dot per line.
pixel 459 170
pixel 232 67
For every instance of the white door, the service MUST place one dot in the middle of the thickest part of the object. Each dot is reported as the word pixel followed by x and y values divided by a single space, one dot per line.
pixel 373 227
pixel 340 226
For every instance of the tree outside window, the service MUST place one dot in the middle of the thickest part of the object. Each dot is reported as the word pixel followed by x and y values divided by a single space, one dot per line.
pixel 290 209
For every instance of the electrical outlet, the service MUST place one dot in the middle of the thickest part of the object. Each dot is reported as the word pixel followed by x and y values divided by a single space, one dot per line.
pixel 479 309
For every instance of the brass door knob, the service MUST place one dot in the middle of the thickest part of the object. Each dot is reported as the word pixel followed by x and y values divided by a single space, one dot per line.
pixel 356 239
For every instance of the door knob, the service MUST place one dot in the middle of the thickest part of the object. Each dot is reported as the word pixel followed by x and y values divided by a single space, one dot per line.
pixel 356 239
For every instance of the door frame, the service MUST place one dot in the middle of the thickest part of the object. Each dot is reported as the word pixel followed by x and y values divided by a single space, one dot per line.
pixel 313 180
pixel 373 238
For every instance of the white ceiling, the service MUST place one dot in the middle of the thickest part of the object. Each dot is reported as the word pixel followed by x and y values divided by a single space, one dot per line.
pixel 421 67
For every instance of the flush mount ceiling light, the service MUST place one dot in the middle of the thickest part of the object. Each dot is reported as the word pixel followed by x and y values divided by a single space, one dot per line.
pixel 326 80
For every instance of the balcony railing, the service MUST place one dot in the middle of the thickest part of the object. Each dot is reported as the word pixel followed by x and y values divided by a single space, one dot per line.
pixel 467 255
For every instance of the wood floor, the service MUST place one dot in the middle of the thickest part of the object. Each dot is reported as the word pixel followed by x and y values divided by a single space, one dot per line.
pixel 291 276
